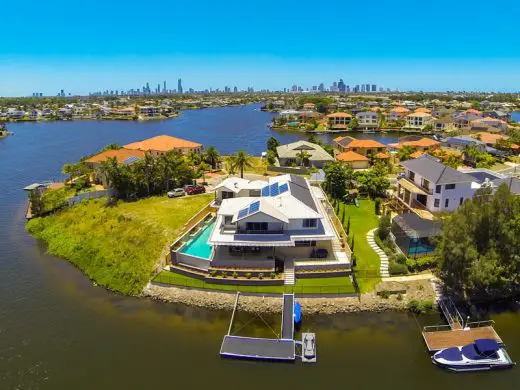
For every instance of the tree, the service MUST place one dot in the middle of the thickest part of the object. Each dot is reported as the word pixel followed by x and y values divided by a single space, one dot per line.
pixel 303 156
pixel 35 197
pixel 478 250
pixel 385 224
pixel 173 167
pixel 271 157
pixel 146 172
pixel 374 182
pixel 453 160
pixel 272 144
pixel 337 176
pixel 353 123
pixel 193 158
pixel 211 156
pixel 240 161
pixel 75 170
pixel 405 152
pixel 118 177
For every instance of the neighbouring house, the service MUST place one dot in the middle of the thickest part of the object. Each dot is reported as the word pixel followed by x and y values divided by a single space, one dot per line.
pixel 397 113
pixel 444 123
pixel 15 114
pixel 497 114
pixel 309 107
pixel 162 144
pixel 236 187
pixel 367 119
pixel 35 114
pixel 278 104
pixel 416 142
pixel 461 142
pixel 289 155
pixel 122 156
pixel 149 111
pixel 492 139
pixel 424 110
pixel 356 160
pixel 339 120
pixel 465 119
pixel 418 120
pixel 432 186
pixel 123 111
pixel 361 146
pixel 414 235
pixel 489 122
pixel 284 225
pixel 80 111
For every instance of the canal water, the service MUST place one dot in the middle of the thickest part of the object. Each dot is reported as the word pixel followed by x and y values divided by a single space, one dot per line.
pixel 57 331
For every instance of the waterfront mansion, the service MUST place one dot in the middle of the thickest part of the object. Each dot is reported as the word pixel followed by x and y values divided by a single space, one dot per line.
pixel 283 223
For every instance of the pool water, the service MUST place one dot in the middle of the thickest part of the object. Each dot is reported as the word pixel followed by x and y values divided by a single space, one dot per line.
pixel 198 245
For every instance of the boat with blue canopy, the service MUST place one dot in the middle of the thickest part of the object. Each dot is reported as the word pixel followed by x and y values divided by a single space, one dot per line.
pixel 297 313
pixel 483 354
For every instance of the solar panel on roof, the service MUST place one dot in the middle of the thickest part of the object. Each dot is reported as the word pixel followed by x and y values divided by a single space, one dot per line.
pixel 265 191
pixel 130 160
pixel 274 190
pixel 243 213
pixel 284 188
pixel 254 207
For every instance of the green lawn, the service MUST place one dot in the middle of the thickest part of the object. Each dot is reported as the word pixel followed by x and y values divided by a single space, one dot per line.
pixel 336 285
pixel 117 246
pixel 363 219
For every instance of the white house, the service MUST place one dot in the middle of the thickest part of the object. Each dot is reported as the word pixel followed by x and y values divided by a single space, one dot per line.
pixel 418 120
pixel 429 185
pixel 367 119
pixel 284 221
pixel 290 154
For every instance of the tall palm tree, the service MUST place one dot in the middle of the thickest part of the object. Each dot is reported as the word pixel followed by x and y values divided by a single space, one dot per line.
pixel 211 156
pixel 146 170
pixel 240 161
pixel 303 156
pixel 168 166
pixel 193 158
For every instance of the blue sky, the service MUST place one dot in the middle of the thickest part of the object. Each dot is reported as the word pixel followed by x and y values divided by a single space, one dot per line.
pixel 422 45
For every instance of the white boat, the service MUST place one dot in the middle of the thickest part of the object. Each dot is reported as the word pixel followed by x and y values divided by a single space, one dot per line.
pixel 483 354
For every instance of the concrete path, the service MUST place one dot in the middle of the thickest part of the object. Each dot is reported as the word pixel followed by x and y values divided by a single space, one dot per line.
pixel 382 256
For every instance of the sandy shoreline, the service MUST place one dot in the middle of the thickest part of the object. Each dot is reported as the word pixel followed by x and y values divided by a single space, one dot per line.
pixel 420 290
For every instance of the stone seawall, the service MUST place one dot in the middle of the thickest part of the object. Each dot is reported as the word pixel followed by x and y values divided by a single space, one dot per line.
pixel 417 290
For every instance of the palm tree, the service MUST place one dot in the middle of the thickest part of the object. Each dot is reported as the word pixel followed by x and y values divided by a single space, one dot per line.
pixel 303 156
pixel 146 170
pixel 168 165
pixel 193 158
pixel 211 156
pixel 240 161
pixel 405 152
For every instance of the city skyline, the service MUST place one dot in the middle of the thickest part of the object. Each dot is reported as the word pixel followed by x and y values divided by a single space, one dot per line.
pixel 244 46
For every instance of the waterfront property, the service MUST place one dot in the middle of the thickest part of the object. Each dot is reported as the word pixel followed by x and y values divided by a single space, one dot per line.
pixel 122 156
pixel 418 120
pixel 302 153
pixel 164 143
pixel 414 235
pixel 364 147
pixel 355 160
pixel 339 120
pixel 284 224
pixel 417 143
pixel 367 119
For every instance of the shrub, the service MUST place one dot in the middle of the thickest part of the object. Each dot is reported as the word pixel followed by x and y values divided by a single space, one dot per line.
pixel 377 206
pixel 261 275
pixel 248 275
pixel 224 274
pixel 399 297
pixel 385 224
pixel 401 259
pixel 421 263
pixel 235 275
pixel 213 273
pixel 385 294
pixel 397 269
pixel 272 275
pixel 420 307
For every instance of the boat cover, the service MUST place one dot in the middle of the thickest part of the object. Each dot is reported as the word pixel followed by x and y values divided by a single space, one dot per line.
pixel 486 346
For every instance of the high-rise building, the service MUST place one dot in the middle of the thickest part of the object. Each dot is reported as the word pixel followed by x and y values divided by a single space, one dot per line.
pixel 362 87
pixel 164 86
pixel 341 86
pixel 179 86
pixel 374 88
pixel 367 87
pixel 347 89
pixel 321 87
pixel 235 89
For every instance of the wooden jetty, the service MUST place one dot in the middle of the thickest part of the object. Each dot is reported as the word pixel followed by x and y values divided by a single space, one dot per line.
pixel 456 333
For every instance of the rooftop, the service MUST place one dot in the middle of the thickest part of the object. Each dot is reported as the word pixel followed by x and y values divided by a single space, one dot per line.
pixel 437 173
pixel 121 155
pixel 351 156
pixel 292 150
pixel 162 143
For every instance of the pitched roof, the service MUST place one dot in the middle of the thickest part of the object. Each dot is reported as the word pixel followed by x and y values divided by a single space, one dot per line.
pixel 339 115
pixel 423 109
pixel 316 152
pixel 400 110
pixel 121 155
pixel 419 114
pixel 350 157
pixel 162 143
pixel 431 169
pixel 382 156
pixel 365 143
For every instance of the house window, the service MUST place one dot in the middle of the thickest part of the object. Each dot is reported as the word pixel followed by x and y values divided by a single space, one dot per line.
pixel 426 184
pixel 304 243
pixel 438 189
pixel 436 202
pixel 461 200
pixel 446 203
pixel 310 223
pixel 411 175
pixel 257 226
pixel 228 219
pixel 450 186
pixel 227 194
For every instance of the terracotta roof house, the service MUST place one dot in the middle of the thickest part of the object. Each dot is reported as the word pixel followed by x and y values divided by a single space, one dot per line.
pixel 424 109
pixel 339 120
pixel 361 146
pixel 309 106
pixel 122 156
pixel 397 113
pixel 356 160
pixel 164 143
pixel 418 143
pixel 489 122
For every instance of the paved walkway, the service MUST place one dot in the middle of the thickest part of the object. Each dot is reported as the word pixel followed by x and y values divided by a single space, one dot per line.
pixel 382 256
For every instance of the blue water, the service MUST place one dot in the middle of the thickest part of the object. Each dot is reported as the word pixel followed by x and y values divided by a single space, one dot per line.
pixel 515 116
pixel 199 246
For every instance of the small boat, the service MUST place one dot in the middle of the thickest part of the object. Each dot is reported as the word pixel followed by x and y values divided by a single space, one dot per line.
pixel 483 354
pixel 308 347
pixel 297 313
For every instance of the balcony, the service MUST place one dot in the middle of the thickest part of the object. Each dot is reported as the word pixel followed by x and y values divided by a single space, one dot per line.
pixel 412 186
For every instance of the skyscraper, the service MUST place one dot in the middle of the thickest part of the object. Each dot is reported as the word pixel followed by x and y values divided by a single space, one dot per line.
pixel 374 88
pixel 341 86
pixel 235 89
pixel 164 86
pixel 367 88
pixel 321 87
pixel 179 86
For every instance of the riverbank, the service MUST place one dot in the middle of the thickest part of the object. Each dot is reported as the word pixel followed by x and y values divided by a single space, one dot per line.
pixel 290 129
pixel 117 246
pixel 417 290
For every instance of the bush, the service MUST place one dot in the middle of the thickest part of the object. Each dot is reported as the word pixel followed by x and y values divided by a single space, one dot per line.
pixel 397 269
pixel 385 224
pixel 421 263
pixel 401 259
pixel 272 275
pixel 224 274
pixel 377 206
pixel 213 273
pixel 385 294
pixel 420 307
pixel 248 275
pixel 235 275
pixel 261 275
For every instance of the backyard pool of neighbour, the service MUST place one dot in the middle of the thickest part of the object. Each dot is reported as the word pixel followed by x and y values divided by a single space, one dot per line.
pixel 198 245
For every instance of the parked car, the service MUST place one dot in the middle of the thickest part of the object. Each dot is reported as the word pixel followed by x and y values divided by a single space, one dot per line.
pixel 176 192
pixel 193 190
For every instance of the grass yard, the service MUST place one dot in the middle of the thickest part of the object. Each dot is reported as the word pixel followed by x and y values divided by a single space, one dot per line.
pixel 363 219
pixel 117 247
pixel 336 285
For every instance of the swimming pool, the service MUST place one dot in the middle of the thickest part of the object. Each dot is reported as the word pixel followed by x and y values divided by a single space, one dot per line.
pixel 198 245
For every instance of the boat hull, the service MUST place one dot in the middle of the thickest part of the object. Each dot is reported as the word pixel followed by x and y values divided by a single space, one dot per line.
pixel 472 367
